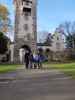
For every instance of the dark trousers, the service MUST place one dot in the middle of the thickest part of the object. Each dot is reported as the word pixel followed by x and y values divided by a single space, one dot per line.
pixel 39 64
pixel 31 66
pixel 27 64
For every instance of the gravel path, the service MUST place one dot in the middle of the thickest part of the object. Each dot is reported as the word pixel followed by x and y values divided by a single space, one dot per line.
pixel 36 85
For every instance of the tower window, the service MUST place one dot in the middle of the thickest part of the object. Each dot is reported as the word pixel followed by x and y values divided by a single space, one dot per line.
pixel 26 17
pixel 57 38
pixel 27 2
pixel 27 11
pixel 58 46
pixel 28 36
pixel 25 27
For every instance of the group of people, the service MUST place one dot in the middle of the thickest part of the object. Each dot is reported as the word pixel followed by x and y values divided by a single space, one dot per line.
pixel 32 60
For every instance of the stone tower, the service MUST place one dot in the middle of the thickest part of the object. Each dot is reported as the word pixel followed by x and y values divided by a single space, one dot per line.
pixel 25 26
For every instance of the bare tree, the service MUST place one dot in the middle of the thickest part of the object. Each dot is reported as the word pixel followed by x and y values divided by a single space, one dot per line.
pixel 68 30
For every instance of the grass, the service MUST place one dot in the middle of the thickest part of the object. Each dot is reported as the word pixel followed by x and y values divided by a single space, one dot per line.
pixel 68 68
pixel 8 68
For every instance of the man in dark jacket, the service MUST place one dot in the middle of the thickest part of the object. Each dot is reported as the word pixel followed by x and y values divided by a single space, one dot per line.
pixel 31 60
pixel 26 59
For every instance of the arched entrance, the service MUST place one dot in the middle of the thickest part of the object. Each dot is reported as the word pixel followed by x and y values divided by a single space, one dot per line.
pixel 22 50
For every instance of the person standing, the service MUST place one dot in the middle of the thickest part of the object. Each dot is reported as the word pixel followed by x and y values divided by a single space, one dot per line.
pixel 31 60
pixel 35 60
pixel 39 60
pixel 26 59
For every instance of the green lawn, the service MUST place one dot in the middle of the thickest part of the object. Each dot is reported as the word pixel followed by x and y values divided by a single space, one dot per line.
pixel 7 68
pixel 68 68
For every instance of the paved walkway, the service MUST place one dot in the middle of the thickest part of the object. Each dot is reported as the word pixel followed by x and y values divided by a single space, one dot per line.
pixel 36 85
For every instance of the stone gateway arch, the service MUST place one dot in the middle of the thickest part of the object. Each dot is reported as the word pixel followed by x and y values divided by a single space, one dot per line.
pixel 25 26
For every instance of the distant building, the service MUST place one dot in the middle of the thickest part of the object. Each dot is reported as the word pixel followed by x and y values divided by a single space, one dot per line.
pixel 58 44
